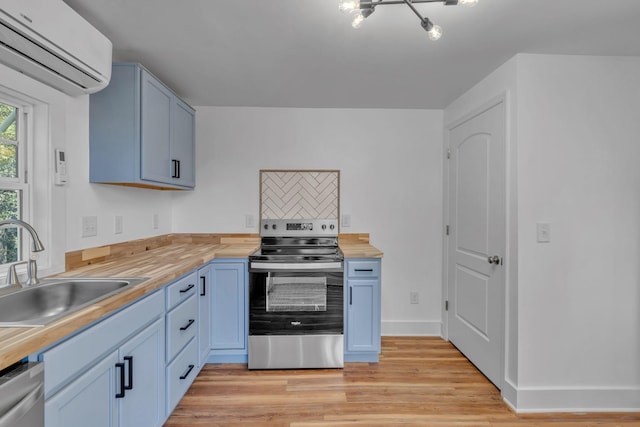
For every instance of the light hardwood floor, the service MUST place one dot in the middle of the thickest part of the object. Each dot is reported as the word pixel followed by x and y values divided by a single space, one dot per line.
pixel 418 382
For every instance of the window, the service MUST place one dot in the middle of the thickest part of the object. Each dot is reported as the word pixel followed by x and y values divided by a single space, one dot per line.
pixel 13 184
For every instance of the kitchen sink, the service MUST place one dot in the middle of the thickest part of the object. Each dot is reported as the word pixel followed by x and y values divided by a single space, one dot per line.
pixel 55 298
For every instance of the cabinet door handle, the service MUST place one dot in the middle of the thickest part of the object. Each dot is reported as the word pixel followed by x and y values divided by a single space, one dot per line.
pixel 186 374
pixel 120 366
pixel 188 288
pixel 185 327
pixel 204 286
pixel 129 360
pixel 176 168
pixel 363 270
pixel 350 295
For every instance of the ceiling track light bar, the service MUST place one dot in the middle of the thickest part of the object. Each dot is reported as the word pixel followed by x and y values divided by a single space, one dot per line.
pixel 362 9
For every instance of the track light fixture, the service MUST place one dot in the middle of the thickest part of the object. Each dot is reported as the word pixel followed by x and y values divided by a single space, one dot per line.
pixel 362 9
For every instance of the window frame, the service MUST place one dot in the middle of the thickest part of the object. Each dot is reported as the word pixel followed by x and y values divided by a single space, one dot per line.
pixel 24 131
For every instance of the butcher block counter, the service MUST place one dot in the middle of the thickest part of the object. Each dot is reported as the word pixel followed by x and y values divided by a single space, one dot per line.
pixel 159 259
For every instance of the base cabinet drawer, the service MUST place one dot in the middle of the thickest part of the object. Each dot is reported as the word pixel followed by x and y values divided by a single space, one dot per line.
pixel 182 325
pixel 181 373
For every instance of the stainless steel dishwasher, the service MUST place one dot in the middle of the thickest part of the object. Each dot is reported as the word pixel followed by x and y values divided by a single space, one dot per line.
pixel 22 395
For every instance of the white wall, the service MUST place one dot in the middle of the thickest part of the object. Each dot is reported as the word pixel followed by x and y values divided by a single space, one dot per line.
pixel 573 315
pixel 391 184
pixel 135 205
pixel 579 310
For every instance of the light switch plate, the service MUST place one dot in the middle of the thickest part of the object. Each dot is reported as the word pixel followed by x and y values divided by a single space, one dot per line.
pixel 543 231
pixel 346 220
pixel 249 221
pixel 89 226
pixel 117 224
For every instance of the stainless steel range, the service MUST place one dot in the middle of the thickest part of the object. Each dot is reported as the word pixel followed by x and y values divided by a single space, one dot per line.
pixel 296 296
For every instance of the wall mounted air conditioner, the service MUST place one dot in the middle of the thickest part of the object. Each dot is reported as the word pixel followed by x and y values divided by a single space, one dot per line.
pixel 50 42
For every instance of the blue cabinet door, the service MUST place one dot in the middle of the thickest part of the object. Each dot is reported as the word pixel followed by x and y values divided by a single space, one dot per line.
pixel 362 327
pixel 156 130
pixel 143 356
pixel 89 400
pixel 204 314
pixel 229 307
pixel 183 143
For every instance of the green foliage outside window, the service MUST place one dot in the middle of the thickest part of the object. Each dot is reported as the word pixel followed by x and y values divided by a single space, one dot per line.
pixel 9 200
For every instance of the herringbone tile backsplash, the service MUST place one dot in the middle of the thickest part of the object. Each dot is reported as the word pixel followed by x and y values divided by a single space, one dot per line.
pixel 299 194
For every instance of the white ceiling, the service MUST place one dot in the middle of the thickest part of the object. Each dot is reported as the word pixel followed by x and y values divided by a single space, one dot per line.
pixel 304 53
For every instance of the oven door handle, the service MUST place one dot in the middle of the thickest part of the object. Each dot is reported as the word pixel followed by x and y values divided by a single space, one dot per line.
pixel 296 265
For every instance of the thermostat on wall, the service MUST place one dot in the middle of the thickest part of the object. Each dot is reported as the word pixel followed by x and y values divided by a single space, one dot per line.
pixel 60 167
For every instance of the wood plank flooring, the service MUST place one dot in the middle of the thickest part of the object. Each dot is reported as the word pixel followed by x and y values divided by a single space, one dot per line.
pixel 418 382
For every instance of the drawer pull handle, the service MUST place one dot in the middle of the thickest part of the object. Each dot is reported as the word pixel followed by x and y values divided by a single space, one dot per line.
pixel 186 374
pixel 362 270
pixel 188 288
pixel 185 327
pixel 120 366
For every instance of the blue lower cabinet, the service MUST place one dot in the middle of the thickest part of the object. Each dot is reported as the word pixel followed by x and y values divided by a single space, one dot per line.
pixel 229 311
pixel 362 310
pixel 111 374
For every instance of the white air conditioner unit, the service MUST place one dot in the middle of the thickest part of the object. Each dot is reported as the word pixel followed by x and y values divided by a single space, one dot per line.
pixel 50 42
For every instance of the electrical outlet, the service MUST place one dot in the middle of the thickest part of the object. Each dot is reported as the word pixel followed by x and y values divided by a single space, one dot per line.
pixel 414 297
pixel 346 220
pixel 117 224
pixel 89 226
pixel 249 221
pixel 155 221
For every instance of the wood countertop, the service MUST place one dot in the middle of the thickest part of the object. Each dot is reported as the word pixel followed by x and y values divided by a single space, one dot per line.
pixel 160 259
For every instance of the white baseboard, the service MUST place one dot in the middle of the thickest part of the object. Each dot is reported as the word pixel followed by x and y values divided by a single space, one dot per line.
pixel 401 328
pixel 601 399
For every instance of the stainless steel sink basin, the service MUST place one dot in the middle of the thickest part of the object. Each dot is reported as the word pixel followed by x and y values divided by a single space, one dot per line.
pixel 54 298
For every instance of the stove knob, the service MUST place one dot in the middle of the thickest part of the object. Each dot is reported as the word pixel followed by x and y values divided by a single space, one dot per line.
pixel 266 226
pixel 273 226
pixel 332 226
pixel 324 226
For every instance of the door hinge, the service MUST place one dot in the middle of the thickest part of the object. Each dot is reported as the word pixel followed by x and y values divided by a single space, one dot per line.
pixel 446 230
pixel 446 305
pixel 448 154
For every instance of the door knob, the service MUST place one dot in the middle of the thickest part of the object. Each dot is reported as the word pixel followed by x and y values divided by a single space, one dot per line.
pixel 494 259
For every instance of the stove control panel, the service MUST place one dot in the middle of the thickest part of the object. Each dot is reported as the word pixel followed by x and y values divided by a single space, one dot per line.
pixel 299 227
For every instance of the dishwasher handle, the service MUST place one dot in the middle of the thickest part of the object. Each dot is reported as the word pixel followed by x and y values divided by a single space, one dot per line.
pixel 11 417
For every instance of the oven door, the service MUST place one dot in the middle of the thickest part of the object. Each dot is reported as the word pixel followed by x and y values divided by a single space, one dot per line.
pixel 300 302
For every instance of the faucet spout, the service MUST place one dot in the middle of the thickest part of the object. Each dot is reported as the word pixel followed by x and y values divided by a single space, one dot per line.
pixel 37 244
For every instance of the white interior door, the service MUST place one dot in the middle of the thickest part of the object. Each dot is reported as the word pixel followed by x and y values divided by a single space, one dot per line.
pixel 476 246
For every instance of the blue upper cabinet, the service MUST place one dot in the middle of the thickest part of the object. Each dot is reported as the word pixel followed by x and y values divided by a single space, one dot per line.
pixel 141 133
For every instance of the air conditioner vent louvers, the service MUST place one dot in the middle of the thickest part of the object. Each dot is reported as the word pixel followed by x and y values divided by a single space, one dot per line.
pixel 39 45
pixel 22 45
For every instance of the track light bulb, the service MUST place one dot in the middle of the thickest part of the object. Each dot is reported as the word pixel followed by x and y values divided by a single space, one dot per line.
pixel 347 6
pixel 358 19
pixel 469 3
pixel 435 32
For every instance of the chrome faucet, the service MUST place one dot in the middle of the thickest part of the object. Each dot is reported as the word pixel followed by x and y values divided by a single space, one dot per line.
pixel 32 267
